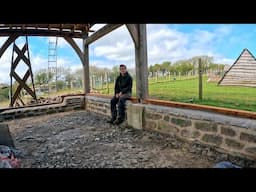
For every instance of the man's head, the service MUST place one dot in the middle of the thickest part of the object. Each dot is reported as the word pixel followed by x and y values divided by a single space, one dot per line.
pixel 122 68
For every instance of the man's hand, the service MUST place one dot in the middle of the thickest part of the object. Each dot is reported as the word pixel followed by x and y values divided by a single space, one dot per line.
pixel 118 95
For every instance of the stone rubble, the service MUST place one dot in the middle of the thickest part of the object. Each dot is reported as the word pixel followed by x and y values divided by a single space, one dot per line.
pixel 83 139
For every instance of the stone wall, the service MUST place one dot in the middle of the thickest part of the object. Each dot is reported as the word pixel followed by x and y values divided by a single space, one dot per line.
pixel 228 134
pixel 69 103
pixel 98 105
pixel 234 135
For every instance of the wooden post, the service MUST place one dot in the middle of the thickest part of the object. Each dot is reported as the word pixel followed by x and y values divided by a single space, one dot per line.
pixel 93 82
pixel 200 72
pixel 101 81
pixel 107 83
pixel 141 63
pixel 86 64
pixel 139 36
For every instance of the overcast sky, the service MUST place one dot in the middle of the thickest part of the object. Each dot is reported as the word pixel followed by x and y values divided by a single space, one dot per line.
pixel 166 42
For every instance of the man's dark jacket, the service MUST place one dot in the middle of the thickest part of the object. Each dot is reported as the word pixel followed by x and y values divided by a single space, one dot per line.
pixel 123 84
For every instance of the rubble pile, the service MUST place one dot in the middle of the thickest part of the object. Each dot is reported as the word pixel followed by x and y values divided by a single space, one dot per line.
pixel 43 100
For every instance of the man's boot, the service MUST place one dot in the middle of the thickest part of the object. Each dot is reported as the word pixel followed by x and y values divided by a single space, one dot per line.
pixel 111 120
pixel 119 121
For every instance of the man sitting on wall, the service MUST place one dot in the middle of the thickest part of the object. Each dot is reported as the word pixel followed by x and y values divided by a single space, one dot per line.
pixel 123 91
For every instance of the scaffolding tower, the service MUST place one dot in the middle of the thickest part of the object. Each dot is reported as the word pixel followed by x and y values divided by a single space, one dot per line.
pixel 52 61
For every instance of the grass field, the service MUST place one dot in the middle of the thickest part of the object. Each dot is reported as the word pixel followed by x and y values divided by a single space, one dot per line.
pixel 243 98
pixel 186 90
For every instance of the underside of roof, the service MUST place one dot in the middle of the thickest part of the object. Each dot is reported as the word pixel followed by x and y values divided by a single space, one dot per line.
pixel 59 30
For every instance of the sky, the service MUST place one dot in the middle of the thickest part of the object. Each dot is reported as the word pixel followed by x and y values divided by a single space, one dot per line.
pixel 165 42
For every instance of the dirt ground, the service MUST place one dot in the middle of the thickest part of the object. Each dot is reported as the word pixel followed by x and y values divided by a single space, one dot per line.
pixel 83 139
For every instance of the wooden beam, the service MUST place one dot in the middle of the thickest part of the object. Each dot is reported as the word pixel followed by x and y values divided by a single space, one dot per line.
pixel 141 59
pixel 133 30
pixel 22 83
pixel 21 55
pixel 86 65
pixel 101 32
pixel 233 112
pixel 75 47
pixel 39 32
pixel 7 43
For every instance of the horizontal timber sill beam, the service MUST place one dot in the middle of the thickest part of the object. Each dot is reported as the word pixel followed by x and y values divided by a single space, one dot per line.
pixel 226 111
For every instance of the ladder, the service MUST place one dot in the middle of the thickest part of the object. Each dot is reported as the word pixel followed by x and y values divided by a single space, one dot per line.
pixel 52 61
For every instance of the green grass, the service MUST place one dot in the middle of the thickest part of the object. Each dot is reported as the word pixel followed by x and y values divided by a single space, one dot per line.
pixel 186 91
pixel 234 97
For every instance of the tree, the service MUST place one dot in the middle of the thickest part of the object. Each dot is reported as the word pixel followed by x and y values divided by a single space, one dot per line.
pixel 4 93
pixel 151 70
pixel 164 67
pixel 42 77
pixel 183 67
pixel 60 84
pixel 206 61
pixel 114 73
pixel 69 77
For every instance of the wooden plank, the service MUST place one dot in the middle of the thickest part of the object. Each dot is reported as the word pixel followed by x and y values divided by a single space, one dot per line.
pixel 240 73
pixel 239 83
pixel 249 69
pixel 233 112
pixel 101 32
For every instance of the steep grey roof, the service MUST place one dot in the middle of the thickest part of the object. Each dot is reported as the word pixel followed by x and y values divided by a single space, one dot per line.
pixel 242 72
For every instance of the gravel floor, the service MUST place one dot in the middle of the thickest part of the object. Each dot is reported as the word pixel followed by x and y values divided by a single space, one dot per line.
pixel 83 139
